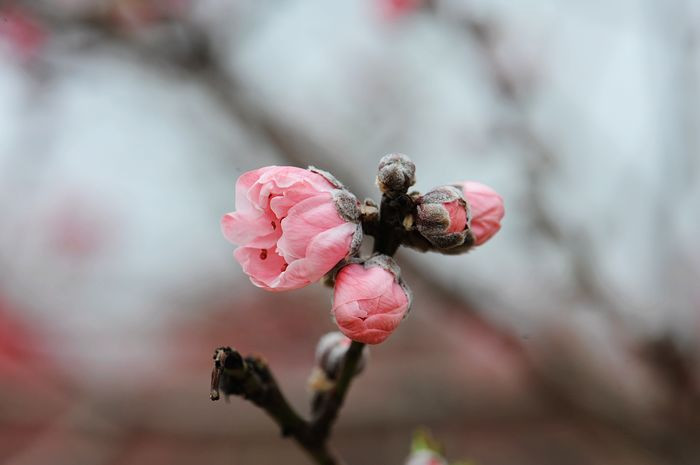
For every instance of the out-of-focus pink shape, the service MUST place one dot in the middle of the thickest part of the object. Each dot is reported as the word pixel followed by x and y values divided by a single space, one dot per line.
pixel 392 9
pixel 22 31
pixel 78 227
pixel 20 354
pixel 288 227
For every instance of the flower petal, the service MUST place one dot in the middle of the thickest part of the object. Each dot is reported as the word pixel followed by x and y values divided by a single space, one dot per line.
pixel 262 265
pixel 305 221
pixel 322 254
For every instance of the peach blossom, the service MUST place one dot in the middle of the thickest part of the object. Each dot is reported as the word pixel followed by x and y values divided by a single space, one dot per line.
pixel 292 226
pixel 369 301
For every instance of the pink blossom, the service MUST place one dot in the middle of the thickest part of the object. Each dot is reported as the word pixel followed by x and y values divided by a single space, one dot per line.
pixel 292 225
pixel 369 302
pixel 486 208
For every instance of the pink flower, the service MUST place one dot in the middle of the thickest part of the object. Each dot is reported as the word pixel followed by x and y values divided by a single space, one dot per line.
pixel 486 208
pixel 442 217
pixel 292 225
pixel 369 300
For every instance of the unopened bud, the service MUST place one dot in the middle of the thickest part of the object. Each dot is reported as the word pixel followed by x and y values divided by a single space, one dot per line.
pixel 442 217
pixel 370 299
pixel 486 208
pixel 330 352
pixel 395 174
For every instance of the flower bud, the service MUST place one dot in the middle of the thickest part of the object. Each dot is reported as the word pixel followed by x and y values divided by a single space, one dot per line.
pixel 331 350
pixel 442 217
pixel 395 174
pixel 370 299
pixel 486 208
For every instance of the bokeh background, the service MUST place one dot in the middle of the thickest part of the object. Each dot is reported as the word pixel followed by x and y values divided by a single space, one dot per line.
pixel 571 338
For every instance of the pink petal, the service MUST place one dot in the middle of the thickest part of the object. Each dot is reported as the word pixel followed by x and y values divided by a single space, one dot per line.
pixel 262 266
pixel 360 283
pixel 305 221
pixel 458 216
pixel 251 228
pixel 322 254
pixel 486 208
pixel 243 185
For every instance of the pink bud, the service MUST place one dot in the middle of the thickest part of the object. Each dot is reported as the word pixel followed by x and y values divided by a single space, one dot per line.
pixel 369 300
pixel 292 225
pixel 486 208
pixel 442 217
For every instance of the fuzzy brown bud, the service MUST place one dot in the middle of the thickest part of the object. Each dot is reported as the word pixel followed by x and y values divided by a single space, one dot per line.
pixel 442 217
pixel 395 174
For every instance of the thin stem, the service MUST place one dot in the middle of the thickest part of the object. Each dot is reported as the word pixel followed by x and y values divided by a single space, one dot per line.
pixel 390 230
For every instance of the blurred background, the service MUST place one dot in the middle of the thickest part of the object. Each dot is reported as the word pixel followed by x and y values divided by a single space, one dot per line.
pixel 572 337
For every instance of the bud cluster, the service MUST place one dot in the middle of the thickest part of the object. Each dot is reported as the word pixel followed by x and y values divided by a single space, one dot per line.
pixel 296 226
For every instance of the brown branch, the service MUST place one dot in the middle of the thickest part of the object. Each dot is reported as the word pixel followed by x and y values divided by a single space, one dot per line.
pixel 252 379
